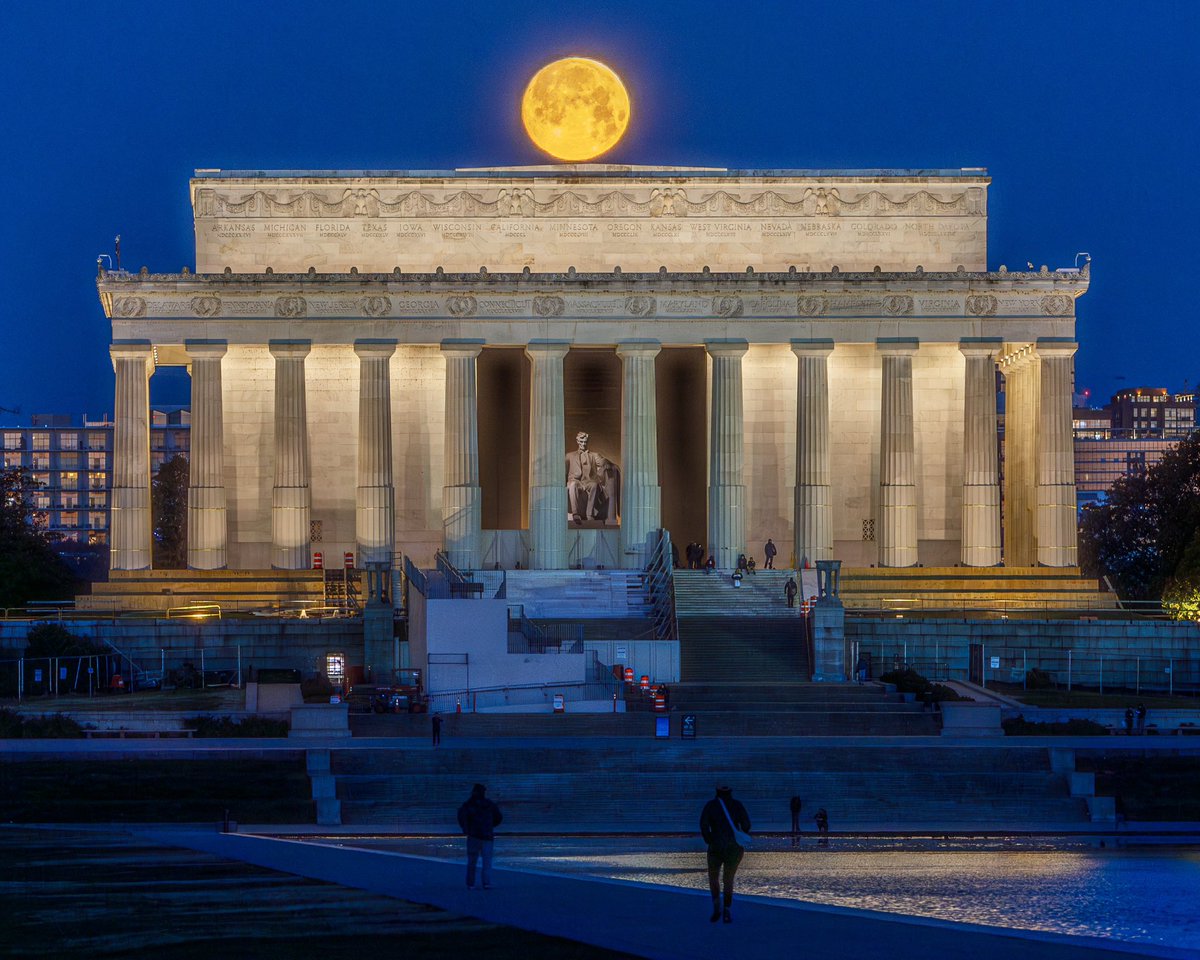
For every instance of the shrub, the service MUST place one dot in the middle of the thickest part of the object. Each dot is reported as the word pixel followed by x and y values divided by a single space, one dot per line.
pixel 909 681
pixel 13 726
pixel 228 727
pixel 1020 727
pixel 317 689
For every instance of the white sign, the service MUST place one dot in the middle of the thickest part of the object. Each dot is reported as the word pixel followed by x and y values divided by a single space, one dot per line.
pixel 995 663
pixel 622 653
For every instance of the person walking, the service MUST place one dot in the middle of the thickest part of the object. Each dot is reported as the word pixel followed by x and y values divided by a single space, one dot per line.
pixel 794 806
pixel 1129 721
pixel 1140 714
pixel 790 590
pixel 770 551
pixel 720 821
pixel 478 817
pixel 435 723
pixel 822 819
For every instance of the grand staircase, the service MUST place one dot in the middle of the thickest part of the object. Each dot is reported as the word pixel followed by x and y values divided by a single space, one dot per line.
pixel 618 784
pixel 739 634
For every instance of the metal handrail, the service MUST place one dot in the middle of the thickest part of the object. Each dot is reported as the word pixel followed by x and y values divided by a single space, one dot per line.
pixel 660 586
pixel 194 610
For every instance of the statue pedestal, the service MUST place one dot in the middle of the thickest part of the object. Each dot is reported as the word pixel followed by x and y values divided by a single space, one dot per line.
pixel 829 641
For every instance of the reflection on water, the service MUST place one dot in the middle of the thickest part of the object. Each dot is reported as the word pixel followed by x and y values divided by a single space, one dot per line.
pixel 1147 896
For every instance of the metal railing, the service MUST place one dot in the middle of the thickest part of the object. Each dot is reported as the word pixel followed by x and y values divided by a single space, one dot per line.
pixel 544 637
pixel 660 587
pixel 528 694
pixel 460 584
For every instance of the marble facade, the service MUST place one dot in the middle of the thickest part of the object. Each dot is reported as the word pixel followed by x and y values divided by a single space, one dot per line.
pixel 851 330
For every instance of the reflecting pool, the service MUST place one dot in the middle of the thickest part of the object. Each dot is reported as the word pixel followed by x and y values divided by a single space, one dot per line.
pixel 1144 895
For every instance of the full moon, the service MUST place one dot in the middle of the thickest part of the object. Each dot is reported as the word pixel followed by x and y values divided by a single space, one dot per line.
pixel 575 109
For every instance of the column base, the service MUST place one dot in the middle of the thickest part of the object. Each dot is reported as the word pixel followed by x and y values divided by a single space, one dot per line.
pixel 207 528
pixel 726 524
pixel 981 525
pixel 1056 526
pixel 291 512
pixel 461 521
pixel 898 525
pixel 641 517
pixel 374 524
pixel 548 527
pixel 129 521
pixel 814 525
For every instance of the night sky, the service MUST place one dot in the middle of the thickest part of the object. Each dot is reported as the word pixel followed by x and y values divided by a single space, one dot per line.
pixel 1084 114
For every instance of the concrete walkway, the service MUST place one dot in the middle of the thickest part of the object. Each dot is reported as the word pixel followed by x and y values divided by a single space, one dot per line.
pixel 651 921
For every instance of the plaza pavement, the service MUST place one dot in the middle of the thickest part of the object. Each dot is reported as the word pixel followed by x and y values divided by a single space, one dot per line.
pixel 646 920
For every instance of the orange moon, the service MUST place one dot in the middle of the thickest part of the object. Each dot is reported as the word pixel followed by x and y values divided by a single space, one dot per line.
pixel 575 109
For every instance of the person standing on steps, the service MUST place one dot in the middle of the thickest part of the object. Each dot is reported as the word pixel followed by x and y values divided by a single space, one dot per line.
pixel 790 590
pixel 1140 714
pixel 718 820
pixel 794 806
pixel 436 723
pixel 770 551
pixel 1129 721
pixel 478 818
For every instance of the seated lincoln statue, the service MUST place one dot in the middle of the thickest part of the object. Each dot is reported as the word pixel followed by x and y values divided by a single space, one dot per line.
pixel 593 483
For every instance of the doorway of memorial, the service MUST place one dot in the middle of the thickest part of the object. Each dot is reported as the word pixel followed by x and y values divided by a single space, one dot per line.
pixel 681 376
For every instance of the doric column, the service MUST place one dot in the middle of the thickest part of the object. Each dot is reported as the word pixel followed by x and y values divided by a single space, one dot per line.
pixel 547 450
pixel 130 522
pixel 897 531
pixel 641 496
pixel 461 497
pixel 207 526
pixel 291 499
pixel 1056 507
pixel 1021 386
pixel 374 526
pixel 814 522
pixel 981 460
pixel 726 454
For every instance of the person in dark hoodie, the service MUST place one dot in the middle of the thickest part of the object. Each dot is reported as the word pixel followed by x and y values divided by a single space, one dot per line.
pixel 478 818
pixel 716 827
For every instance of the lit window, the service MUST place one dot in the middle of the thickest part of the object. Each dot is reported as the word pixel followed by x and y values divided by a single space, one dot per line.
pixel 69 479
pixel 98 481
pixel 97 461
pixel 13 441
pixel 41 441
pixel 12 461
pixel 96 538
pixel 40 479
pixel 41 501
pixel 41 461
pixel 97 499
pixel 97 521
pixel 70 501
pixel 68 441
pixel 96 441
pixel 68 461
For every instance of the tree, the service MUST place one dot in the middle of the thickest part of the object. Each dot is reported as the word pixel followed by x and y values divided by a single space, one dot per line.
pixel 169 501
pixel 1181 595
pixel 1139 538
pixel 30 569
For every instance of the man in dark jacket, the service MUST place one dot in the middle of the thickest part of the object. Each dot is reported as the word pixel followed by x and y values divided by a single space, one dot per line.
pixel 478 818
pixel 716 827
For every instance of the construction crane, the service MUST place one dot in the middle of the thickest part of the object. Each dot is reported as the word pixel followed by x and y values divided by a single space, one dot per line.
pixel 12 410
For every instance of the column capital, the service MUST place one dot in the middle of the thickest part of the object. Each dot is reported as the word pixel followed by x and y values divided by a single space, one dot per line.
pixel 206 349
pixel 897 346
pixel 462 348
pixel 726 348
pixel 812 348
pixel 983 347
pixel 132 350
pixel 638 348
pixel 1047 347
pixel 289 349
pixel 547 349
pixel 374 349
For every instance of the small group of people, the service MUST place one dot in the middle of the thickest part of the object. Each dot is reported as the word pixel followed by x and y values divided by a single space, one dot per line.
pixel 724 825
pixel 1135 720
pixel 694 553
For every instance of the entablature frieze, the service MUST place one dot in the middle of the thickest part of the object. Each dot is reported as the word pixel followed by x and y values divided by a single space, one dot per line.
pixel 253 307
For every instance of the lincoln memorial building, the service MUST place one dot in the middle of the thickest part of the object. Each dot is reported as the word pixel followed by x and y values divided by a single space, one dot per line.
pixel 545 366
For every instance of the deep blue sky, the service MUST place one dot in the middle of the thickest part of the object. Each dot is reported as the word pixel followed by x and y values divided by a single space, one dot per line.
pixel 1085 115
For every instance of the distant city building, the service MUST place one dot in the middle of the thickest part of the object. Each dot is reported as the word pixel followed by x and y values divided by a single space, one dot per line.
pixel 71 461
pixel 1128 437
